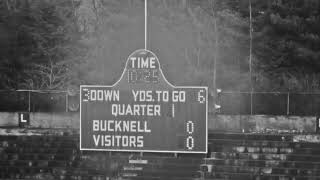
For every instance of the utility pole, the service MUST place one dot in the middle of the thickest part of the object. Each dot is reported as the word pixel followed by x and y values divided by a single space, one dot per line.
pixel 215 48
pixel 145 24
pixel 250 57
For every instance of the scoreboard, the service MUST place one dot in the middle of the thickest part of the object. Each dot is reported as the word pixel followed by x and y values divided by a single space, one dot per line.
pixel 143 112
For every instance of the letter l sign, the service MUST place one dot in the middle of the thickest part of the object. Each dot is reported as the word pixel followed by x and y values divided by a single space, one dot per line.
pixel 22 119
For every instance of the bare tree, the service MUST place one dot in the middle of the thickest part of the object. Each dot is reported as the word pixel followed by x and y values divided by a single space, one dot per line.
pixel 49 76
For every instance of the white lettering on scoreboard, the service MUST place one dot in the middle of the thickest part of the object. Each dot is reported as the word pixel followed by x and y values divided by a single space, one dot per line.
pixel 143 112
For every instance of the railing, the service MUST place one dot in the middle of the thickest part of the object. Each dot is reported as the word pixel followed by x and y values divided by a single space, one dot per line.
pixel 38 101
pixel 269 103
pixel 246 103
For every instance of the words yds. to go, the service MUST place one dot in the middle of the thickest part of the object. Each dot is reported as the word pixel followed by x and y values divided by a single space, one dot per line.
pixel 138 96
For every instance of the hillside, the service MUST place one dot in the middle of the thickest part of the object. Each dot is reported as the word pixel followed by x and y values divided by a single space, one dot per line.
pixel 52 44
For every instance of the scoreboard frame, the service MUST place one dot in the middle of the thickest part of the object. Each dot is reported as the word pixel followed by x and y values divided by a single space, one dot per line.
pixel 172 86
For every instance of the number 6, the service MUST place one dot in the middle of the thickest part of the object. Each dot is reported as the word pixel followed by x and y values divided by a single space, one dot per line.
pixel 201 98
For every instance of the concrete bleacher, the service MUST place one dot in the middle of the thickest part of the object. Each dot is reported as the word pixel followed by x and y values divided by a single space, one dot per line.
pixel 50 156
pixel 262 156
pixel 231 156
pixel 36 157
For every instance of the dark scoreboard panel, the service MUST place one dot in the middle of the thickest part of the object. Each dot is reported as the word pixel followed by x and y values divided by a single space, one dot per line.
pixel 143 112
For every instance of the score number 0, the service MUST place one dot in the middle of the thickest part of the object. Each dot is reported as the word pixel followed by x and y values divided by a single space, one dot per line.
pixel 190 125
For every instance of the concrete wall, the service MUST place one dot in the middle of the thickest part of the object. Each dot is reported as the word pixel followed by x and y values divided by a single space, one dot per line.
pixel 43 120
pixel 262 123
pixel 231 123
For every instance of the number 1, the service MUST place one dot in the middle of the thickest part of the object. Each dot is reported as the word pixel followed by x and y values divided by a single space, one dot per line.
pixel 172 110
